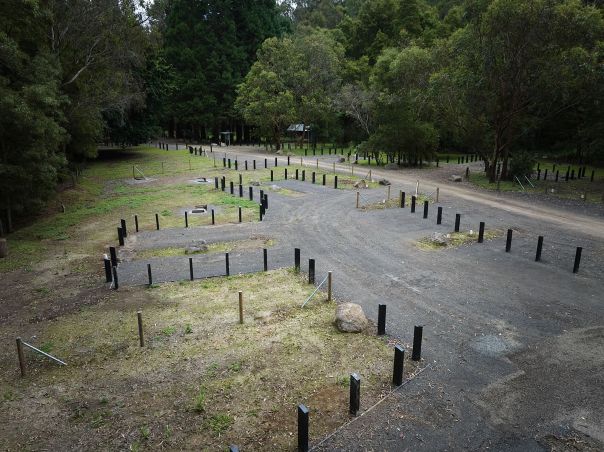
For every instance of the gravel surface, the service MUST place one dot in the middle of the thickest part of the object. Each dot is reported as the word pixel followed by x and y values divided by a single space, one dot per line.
pixel 515 347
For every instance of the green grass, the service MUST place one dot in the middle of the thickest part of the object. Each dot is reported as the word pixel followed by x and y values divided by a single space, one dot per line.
pixel 456 239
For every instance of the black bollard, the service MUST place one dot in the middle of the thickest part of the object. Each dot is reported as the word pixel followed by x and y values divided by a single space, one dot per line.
pixel 157 222
pixel 481 232
pixel 236 165
pixel 399 360
pixel 265 201
pixel 593 173
pixel 272 176
pixel 288 160
pixel 222 183
pixel 545 175
pixel 229 163
pixel 355 394
pixel 124 230
pixel 311 271
pixel 402 199
pixel 539 248
pixel 226 262
pixel 246 165
pixel 413 204
pixel 381 326
pixel 324 179
pixel 335 182
pixel 231 186
pixel 302 428
pixel 296 173
pixel 557 175
pixel 186 219
pixel 313 177
pixel 508 241
pixel 191 268
pixel 240 191
pixel 115 280
pixel 107 263
pixel 425 209
pixel 265 259
pixel 577 259
pixel 276 163
pixel 120 236
pixel 439 215
pixel 265 163
pixel 239 211
pixel 240 179
pixel 457 220
pixel 213 222
pixel 113 256
pixel 297 259
pixel 136 223
pixel 416 354
pixel 285 174
pixel 251 190
pixel 261 212
pixel 303 175
pixel 254 162
pixel 149 275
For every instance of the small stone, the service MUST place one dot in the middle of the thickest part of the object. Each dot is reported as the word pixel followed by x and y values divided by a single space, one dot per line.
pixel 196 249
pixel 275 187
pixel 350 318
pixel 384 182
pixel 455 178
pixel 341 160
pixel 439 239
pixel 255 183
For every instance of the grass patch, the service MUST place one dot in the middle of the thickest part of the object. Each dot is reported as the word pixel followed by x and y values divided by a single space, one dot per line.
pixel 455 239
pixel 395 203
pixel 217 247
pixel 239 383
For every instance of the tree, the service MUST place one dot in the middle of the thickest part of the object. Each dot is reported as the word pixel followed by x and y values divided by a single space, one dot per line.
pixel 31 122
pixel 402 110
pixel 299 74
pixel 101 48
pixel 211 46
pixel 516 64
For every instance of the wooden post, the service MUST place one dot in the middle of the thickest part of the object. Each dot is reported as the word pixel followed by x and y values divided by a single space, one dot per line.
pixel 241 307
pixel 388 193
pixel 21 357
pixel 358 194
pixel 437 193
pixel 141 339
pixel 329 287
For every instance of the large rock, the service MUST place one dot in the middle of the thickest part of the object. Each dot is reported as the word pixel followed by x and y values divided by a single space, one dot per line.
pixel 455 178
pixel 198 247
pixel 350 318
pixel 341 160
pixel 361 184
pixel 255 183
pixel 384 182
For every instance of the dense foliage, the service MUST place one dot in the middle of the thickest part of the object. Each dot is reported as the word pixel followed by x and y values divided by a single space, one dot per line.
pixel 407 78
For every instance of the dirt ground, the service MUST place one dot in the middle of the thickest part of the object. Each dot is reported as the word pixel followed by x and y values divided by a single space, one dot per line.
pixel 513 348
